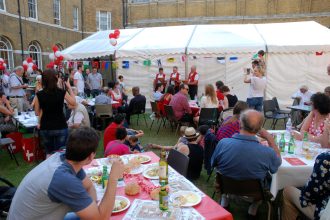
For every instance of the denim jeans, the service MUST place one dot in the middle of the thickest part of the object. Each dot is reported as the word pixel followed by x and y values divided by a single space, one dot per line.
pixel 53 140
pixel 255 103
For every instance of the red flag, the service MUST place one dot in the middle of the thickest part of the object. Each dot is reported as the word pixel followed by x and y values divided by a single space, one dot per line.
pixel 319 53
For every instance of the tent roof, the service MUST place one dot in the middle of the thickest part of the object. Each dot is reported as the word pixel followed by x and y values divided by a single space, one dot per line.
pixel 295 37
pixel 98 45
pixel 158 41
pixel 215 39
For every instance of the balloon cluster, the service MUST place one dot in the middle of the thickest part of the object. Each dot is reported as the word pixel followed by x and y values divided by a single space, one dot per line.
pixel 113 37
pixel 3 65
pixel 56 57
pixel 29 66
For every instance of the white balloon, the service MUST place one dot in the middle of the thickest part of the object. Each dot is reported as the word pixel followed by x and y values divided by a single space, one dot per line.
pixel 58 53
pixel 113 41
pixel 1 60
pixel 4 65
pixel 29 70
pixel 30 65
pixel 25 62
pixel 52 56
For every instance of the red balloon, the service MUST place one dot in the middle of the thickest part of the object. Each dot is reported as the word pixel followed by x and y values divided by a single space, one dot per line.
pixel 2 67
pixel 60 58
pixel 29 60
pixel 1 63
pixel 116 35
pixel 111 35
pixel 54 48
pixel 25 67
pixel 34 67
pixel 117 32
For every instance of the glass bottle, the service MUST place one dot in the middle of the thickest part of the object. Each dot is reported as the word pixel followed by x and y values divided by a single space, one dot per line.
pixel 163 196
pixel 291 145
pixel 105 177
pixel 282 143
pixel 163 167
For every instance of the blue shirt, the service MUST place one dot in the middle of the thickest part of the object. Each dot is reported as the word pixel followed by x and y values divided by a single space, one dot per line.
pixel 243 157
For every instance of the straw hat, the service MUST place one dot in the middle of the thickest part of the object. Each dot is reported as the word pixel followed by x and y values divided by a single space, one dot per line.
pixel 190 133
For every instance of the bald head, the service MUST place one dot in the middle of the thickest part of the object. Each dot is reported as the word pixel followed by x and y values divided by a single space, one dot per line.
pixel 251 121
pixel 328 69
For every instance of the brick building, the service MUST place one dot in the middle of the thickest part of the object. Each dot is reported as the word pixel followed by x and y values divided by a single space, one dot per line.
pixel 47 22
pixel 142 13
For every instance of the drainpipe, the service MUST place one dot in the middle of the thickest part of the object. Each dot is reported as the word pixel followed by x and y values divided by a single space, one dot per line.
pixel 82 18
pixel 20 28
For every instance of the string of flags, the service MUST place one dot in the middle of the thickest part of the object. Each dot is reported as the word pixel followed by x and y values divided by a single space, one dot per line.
pixel 103 65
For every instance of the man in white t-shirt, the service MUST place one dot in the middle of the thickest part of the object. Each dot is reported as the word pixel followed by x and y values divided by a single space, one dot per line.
pixel 303 95
pixel 79 116
pixel 79 81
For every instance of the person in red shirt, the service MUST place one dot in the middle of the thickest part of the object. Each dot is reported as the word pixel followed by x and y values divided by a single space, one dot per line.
pixel 175 79
pixel 160 78
pixel 117 147
pixel 193 82
pixel 223 101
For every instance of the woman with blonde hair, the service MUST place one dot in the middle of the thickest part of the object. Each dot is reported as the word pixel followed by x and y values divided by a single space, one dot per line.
pixel 209 100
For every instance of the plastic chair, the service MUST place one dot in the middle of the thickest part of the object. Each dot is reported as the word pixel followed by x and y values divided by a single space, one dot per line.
pixel 158 116
pixel 139 109
pixel 103 112
pixel 8 144
pixel 178 161
pixel 270 112
pixel 250 188
pixel 170 116
pixel 209 116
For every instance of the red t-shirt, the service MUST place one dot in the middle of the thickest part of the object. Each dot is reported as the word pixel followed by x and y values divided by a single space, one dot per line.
pixel 110 133
pixel 116 148
pixel 220 95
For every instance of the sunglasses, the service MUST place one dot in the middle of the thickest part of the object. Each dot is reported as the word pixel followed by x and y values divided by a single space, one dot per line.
pixel 186 89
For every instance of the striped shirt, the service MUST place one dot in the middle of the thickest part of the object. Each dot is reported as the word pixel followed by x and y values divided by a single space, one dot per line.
pixel 228 130
pixel 180 105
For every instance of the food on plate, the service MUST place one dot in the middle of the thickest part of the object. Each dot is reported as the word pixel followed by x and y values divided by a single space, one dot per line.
pixel 180 200
pixel 142 159
pixel 153 172
pixel 119 205
pixel 185 199
pixel 132 164
pixel 154 194
pixel 132 189
pixel 96 179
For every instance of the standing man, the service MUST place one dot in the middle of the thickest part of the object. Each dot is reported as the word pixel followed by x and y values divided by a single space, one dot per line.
pixel 122 88
pixel 78 81
pixel 87 89
pixel 175 79
pixel 64 186
pixel 16 89
pixel 193 82
pixel 160 78
pixel 95 81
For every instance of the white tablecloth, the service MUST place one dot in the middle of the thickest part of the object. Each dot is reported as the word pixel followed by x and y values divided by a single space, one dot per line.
pixel 289 175
pixel 91 102
pixel 27 120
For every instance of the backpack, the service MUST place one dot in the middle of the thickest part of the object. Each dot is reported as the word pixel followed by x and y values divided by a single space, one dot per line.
pixel 6 196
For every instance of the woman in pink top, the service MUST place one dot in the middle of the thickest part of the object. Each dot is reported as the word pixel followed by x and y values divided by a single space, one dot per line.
pixel 117 147
pixel 314 124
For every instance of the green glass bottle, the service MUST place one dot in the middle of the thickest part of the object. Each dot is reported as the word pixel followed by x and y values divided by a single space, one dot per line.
pixel 105 177
pixel 282 143
pixel 163 167
pixel 163 196
pixel 291 145
pixel 305 143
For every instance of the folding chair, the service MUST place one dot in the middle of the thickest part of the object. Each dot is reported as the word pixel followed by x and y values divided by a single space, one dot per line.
pixel 139 109
pixel 8 144
pixel 270 112
pixel 158 115
pixel 280 111
pixel 103 112
pixel 170 116
pixel 209 116
pixel 178 161
pixel 249 188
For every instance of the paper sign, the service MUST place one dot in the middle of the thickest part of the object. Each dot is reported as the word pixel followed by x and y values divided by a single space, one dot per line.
pixel 125 64
pixel 159 62
pixel 147 62
pixel 221 60
pixel 171 60
pixel 294 161
pixel 233 59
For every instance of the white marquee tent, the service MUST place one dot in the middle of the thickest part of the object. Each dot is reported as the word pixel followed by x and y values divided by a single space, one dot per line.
pixel 297 53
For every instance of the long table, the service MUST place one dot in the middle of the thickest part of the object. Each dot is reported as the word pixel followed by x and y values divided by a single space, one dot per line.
pixel 208 208
pixel 292 175
pixel 27 119
pixel 304 108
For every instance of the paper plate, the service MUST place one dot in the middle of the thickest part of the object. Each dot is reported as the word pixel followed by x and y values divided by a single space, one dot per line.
pixel 117 203
pixel 185 198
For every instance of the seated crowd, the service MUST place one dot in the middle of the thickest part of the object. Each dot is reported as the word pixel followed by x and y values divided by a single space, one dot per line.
pixel 239 148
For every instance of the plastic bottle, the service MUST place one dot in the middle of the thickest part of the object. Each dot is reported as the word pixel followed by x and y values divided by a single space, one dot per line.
pixel 288 126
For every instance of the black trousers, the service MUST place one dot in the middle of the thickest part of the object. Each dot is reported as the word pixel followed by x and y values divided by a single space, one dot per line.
pixel 193 91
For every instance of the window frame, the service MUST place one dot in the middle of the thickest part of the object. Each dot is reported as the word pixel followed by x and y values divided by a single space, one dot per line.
pixel 108 22
pixel 75 20
pixel 35 4
pixel 8 50
pixel 4 5
pixel 37 52
pixel 57 20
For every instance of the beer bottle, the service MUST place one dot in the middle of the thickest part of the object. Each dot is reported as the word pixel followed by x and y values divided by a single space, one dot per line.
pixel 105 177
pixel 163 196
pixel 163 167
pixel 291 145
pixel 282 143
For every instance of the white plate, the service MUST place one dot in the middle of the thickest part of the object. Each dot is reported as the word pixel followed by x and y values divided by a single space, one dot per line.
pixel 122 198
pixel 145 173
pixel 148 159
pixel 194 201
pixel 137 170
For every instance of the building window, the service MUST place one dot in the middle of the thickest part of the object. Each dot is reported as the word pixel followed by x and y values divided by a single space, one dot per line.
pixel 75 18
pixel 32 4
pixel 35 53
pixel 57 12
pixel 103 20
pixel 6 52
pixel 2 5
pixel 140 1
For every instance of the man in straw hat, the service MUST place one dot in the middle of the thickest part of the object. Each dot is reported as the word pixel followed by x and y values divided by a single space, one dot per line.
pixel 195 153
